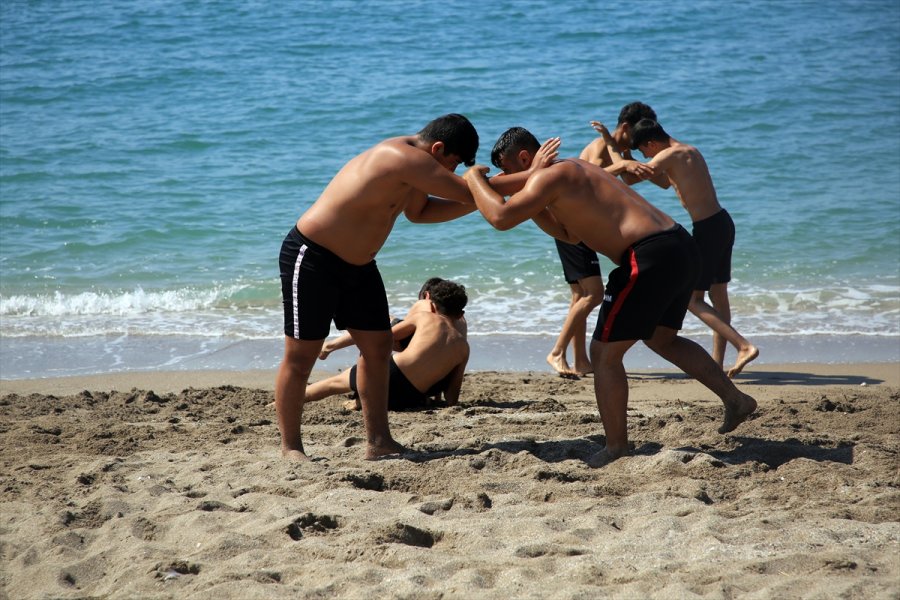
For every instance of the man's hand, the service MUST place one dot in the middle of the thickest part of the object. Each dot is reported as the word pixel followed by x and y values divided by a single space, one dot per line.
pixel 638 169
pixel 546 154
pixel 476 171
pixel 600 128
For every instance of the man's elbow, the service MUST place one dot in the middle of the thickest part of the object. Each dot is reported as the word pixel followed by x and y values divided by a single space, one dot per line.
pixel 501 223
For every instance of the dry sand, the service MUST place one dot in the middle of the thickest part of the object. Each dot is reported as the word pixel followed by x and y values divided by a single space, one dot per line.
pixel 171 486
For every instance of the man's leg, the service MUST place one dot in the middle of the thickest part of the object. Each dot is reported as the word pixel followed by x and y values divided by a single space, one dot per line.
pixel 611 390
pixel 337 384
pixel 290 392
pixel 706 313
pixel 591 297
pixel 718 295
pixel 691 358
pixel 557 356
pixel 372 384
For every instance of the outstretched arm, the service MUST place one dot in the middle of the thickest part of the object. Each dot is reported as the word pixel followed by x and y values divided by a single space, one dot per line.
pixel 631 171
pixel 436 210
pixel 525 203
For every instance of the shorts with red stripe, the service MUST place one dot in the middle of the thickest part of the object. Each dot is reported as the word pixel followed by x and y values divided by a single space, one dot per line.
pixel 652 286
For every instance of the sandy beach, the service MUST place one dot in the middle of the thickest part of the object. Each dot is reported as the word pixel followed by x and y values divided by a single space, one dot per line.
pixel 170 485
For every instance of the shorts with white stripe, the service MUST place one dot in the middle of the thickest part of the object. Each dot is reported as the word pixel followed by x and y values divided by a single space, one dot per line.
pixel 318 286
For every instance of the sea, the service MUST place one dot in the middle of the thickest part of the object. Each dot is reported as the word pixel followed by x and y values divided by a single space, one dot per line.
pixel 154 153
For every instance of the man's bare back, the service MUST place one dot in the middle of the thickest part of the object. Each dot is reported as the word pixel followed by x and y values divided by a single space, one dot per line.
pixel 689 175
pixel 589 205
pixel 437 347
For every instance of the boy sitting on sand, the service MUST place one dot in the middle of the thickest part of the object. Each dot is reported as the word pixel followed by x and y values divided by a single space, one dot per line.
pixel 433 362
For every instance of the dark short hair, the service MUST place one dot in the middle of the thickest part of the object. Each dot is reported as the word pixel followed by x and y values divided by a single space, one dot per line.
pixel 647 130
pixel 428 286
pixel 513 140
pixel 458 135
pixel 635 111
pixel 449 298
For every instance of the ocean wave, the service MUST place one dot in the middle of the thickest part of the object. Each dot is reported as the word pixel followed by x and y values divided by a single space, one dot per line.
pixel 250 311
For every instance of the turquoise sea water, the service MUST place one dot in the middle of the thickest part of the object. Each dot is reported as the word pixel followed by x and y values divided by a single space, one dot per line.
pixel 154 154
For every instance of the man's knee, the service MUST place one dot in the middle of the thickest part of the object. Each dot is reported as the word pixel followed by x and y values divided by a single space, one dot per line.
pixel 662 337
pixel 376 346
pixel 608 353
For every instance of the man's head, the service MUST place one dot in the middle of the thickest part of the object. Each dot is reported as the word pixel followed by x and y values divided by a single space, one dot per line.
pixel 514 150
pixel 449 298
pixel 425 291
pixel 628 117
pixel 649 137
pixel 457 138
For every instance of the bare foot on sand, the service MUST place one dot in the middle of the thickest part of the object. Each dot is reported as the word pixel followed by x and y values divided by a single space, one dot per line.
pixel 605 456
pixel 388 449
pixel 297 456
pixel 560 365
pixel 736 412
pixel 585 369
pixel 744 358
pixel 351 405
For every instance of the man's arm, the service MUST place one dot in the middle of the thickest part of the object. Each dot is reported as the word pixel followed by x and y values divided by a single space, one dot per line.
pixel 454 385
pixel 631 171
pixel 522 206
pixel 436 210
pixel 507 184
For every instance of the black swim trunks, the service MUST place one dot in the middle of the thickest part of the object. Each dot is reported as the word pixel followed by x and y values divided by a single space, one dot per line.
pixel 318 286
pixel 651 286
pixel 578 261
pixel 402 395
pixel 715 237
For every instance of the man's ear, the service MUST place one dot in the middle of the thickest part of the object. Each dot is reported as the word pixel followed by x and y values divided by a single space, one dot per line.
pixel 437 149
pixel 525 158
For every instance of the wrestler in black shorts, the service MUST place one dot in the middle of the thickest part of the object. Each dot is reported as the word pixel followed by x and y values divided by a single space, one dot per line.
pixel 578 261
pixel 715 237
pixel 651 286
pixel 318 286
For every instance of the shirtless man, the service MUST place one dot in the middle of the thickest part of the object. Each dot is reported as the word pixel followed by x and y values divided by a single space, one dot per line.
pixel 433 363
pixel 328 268
pixel 682 166
pixel 646 296
pixel 423 302
pixel 601 151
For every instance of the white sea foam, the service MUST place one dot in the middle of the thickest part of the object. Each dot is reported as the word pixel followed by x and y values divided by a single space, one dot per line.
pixel 252 313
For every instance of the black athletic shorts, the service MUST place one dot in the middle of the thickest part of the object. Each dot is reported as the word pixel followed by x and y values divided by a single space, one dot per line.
pixel 402 395
pixel 715 237
pixel 651 286
pixel 578 261
pixel 318 286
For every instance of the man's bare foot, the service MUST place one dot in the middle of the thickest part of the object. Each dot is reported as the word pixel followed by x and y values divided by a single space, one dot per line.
pixel 297 456
pixel 744 358
pixel 606 456
pixel 560 365
pixel 389 449
pixel 351 405
pixel 736 412
pixel 584 369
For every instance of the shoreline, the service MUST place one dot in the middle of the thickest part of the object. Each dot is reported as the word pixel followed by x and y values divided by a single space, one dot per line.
pixel 854 374
pixel 37 358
